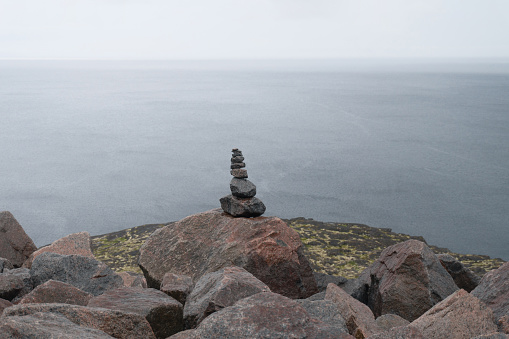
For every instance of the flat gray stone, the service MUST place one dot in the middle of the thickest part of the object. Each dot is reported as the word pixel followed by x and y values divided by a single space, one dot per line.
pixel 242 188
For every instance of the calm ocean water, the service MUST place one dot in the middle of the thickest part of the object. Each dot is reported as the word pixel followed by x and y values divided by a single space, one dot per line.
pixel 422 148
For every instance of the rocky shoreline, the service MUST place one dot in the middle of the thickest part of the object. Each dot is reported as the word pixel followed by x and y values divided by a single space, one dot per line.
pixel 214 275
pixel 341 249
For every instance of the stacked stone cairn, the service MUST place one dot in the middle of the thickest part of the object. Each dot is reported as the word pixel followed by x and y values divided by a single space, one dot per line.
pixel 242 201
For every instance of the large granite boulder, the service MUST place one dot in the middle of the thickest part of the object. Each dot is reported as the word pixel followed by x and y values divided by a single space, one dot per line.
pixel 494 290
pixel 53 291
pixel 118 324
pixel 76 243
pixel 85 273
pixel 461 315
pixel 217 290
pixel 177 286
pixel 264 315
pixel 407 279
pixel 46 325
pixel 15 245
pixel 163 313
pixel 462 276
pixel 360 321
pixel 388 321
pixel 206 242
pixel 15 283
pixel 325 311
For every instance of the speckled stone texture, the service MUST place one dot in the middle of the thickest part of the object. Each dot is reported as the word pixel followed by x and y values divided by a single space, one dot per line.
pixel 217 290
pixel 163 313
pixel 209 241
pixel 53 291
pixel 121 325
pixel 461 315
pixel 494 290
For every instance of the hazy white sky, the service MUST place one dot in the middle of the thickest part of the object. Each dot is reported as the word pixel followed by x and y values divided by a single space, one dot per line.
pixel 211 29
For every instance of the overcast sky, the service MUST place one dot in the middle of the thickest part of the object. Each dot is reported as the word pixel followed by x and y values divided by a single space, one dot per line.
pixel 219 29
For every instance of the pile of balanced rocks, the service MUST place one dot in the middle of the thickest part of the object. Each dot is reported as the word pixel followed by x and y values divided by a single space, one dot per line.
pixel 242 202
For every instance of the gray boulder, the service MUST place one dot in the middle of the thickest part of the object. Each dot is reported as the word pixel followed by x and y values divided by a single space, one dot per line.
pixel 325 311
pixel 242 188
pixel 15 245
pixel 15 283
pixel 388 321
pixel 217 290
pixel 163 313
pixel 242 207
pixel 85 273
pixel 53 291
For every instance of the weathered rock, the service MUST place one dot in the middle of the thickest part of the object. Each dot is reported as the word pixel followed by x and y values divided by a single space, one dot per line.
pixel 462 276
pixel 242 188
pixel 53 291
pixel 236 152
pixel 76 243
pixel 85 273
pixel 317 296
pixel 177 286
pixel 494 290
pixel 15 245
pixel 118 324
pixel 132 279
pixel 15 283
pixel 360 321
pixel 323 280
pixel 4 304
pixel 238 165
pixel 461 315
pixel 45 325
pixel 400 332
pixel 5 265
pixel 388 321
pixel 325 311
pixel 407 280
pixel 217 290
pixel 209 241
pixel 239 207
pixel 263 315
pixel 163 313
pixel 239 173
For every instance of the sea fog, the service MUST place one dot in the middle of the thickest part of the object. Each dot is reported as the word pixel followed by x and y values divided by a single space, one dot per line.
pixel 417 146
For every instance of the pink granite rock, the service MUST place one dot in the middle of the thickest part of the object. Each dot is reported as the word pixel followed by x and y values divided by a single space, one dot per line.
pixel 121 325
pixel 132 279
pixel 15 245
pixel 206 242
pixel 494 290
pixel 76 243
pixel 360 321
pixel 163 313
pixel 4 304
pixel 407 279
pixel 177 286
pixel 461 315
pixel 53 291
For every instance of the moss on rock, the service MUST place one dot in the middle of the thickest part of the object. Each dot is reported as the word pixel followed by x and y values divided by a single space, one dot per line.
pixel 332 248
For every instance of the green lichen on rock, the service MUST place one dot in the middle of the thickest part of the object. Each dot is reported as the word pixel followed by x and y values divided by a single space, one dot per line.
pixel 347 249
pixel 120 250
pixel 332 248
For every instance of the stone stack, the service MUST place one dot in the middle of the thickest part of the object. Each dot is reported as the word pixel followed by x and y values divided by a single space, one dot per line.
pixel 242 201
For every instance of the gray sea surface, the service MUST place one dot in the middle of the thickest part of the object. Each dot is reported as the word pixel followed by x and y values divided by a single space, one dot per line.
pixel 421 147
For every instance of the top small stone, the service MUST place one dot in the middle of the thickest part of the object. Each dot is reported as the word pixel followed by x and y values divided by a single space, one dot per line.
pixel 236 152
